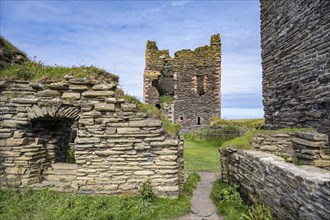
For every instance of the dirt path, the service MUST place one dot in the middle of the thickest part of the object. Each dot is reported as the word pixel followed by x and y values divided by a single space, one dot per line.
pixel 202 205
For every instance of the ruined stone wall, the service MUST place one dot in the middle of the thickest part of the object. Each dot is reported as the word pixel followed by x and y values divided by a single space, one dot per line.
pixel 116 149
pixel 194 76
pixel 292 192
pixel 295 42
pixel 305 148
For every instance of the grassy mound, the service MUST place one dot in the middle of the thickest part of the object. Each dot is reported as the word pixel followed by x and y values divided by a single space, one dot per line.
pixel 10 55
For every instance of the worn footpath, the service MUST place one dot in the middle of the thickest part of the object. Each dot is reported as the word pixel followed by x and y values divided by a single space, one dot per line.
pixel 202 205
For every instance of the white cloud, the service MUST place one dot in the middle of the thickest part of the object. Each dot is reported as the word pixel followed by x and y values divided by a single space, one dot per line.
pixel 112 35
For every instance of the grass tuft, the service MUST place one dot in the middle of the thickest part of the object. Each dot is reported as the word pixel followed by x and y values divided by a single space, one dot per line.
pixel 166 99
pixel 232 207
pixel 191 184
pixel 171 129
pixel 228 200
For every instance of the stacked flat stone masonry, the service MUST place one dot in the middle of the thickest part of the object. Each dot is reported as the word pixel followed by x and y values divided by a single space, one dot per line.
pixel 279 143
pixel 295 42
pixel 311 149
pixel 292 192
pixel 116 147
pixel 308 148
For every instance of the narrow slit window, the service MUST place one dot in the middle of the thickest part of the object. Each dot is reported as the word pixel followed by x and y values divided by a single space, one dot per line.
pixel 198 121
pixel 200 85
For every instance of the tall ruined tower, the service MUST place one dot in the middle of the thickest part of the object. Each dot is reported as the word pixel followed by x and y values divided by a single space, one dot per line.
pixel 186 87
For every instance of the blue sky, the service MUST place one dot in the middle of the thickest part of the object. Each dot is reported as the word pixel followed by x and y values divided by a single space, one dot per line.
pixel 113 34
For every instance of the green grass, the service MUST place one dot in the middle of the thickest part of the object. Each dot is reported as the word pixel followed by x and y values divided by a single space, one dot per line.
pixel 166 99
pixel 244 142
pixel 191 184
pixel 36 71
pixel 249 124
pixel 45 204
pixel 8 47
pixel 201 155
pixel 232 207
pixel 228 201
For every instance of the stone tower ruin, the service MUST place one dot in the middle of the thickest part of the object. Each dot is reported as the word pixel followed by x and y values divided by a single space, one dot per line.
pixel 187 87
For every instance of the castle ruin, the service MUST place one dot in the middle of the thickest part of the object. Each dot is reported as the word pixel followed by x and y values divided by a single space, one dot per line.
pixel 187 87
pixel 115 146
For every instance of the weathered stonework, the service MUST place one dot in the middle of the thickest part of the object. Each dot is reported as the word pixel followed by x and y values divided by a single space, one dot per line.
pixel 292 192
pixel 192 78
pixel 309 148
pixel 116 147
pixel 295 42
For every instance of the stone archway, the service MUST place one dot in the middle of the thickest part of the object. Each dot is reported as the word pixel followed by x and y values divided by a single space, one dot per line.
pixel 54 127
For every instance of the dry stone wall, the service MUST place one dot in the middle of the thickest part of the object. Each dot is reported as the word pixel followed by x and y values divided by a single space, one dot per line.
pixel 308 148
pixel 292 192
pixel 116 147
pixel 295 42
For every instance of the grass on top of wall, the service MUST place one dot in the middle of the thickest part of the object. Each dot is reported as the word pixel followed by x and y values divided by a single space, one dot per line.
pixel 37 71
pixel 244 142
pixel 45 204
pixel 171 129
pixel 249 124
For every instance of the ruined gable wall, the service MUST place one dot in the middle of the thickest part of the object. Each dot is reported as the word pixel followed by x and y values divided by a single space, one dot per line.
pixel 295 41
pixel 116 149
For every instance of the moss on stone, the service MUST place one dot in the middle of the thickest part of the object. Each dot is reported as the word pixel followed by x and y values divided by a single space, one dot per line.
pixel 166 99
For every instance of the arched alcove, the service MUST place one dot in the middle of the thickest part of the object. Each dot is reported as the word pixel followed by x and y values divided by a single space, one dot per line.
pixel 55 128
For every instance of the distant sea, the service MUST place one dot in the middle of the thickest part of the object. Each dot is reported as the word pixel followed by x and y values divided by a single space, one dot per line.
pixel 241 113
